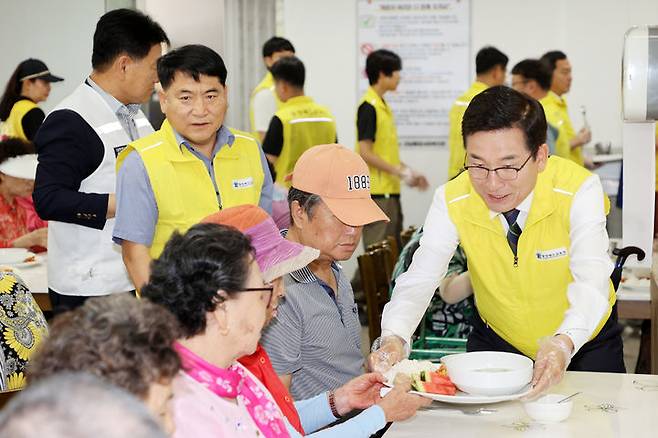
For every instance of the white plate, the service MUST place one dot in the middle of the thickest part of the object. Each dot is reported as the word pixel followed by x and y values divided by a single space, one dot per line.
pixel 606 158
pixel 469 399
pixel 13 256
pixel 26 265
pixel 462 398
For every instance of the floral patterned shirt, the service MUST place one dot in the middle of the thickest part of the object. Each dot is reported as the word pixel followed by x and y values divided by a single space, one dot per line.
pixel 22 328
pixel 17 219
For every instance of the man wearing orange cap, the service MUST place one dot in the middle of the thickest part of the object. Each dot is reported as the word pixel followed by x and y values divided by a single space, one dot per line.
pixel 315 342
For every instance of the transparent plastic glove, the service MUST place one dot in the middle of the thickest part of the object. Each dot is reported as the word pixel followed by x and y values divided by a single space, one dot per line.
pixel 584 136
pixel 386 351
pixel 552 361
pixel 407 175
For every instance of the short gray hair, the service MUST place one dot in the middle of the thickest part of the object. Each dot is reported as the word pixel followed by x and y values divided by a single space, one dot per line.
pixel 308 201
pixel 76 405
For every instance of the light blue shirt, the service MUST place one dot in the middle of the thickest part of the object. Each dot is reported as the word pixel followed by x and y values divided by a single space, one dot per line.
pixel 315 413
pixel 137 210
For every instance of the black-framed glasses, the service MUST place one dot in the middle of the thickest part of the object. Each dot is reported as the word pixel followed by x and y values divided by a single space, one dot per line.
pixel 506 173
pixel 270 289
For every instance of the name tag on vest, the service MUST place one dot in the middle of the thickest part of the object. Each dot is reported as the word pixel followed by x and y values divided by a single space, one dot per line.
pixel 551 254
pixel 243 183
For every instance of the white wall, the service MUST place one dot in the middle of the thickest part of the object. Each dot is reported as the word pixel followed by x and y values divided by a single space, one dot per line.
pixel 189 22
pixel 57 32
pixel 591 32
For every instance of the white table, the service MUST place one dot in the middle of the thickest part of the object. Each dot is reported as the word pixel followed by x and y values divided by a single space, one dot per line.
pixel 36 278
pixel 611 405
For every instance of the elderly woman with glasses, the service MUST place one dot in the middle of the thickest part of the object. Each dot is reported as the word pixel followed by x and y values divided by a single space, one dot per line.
pixel 216 281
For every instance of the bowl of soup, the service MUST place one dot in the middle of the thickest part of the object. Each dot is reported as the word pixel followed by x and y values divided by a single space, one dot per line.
pixel 489 373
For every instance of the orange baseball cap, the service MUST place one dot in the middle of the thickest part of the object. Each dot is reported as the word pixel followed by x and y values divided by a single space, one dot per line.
pixel 342 180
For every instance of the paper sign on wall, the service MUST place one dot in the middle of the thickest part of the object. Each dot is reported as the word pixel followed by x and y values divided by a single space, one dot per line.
pixel 433 39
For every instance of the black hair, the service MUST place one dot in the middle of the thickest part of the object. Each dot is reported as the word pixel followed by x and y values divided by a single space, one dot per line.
pixel 193 267
pixel 535 70
pixel 13 147
pixel 11 95
pixel 382 61
pixel 124 31
pixel 501 107
pixel 193 60
pixel 308 201
pixel 488 58
pixel 290 70
pixel 551 58
pixel 277 44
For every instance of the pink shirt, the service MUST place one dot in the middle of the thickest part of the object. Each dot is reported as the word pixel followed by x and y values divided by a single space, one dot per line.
pixel 199 413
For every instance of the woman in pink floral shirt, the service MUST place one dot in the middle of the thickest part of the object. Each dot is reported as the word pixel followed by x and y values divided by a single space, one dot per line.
pixel 20 226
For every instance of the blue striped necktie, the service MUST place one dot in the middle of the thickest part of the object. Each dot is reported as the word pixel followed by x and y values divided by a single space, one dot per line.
pixel 514 230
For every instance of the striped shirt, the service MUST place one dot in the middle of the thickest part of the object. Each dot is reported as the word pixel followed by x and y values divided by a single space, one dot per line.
pixel 316 335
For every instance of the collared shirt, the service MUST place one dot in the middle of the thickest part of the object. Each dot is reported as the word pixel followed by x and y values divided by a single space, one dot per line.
pixel 314 338
pixel 589 263
pixel 137 209
pixel 125 113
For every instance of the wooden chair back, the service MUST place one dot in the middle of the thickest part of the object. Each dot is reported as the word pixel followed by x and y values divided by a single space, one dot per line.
pixel 376 267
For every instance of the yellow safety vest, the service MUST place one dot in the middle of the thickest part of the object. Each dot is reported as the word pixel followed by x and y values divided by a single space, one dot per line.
pixel 182 188
pixel 266 84
pixel 526 302
pixel 385 147
pixel 13 126
pixel 557 115
pixel 305 124
pixel 455 139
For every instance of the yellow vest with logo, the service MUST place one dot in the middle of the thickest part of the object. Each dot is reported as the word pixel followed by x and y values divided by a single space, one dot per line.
pixel 305 124
pixel 13 126
pixel 557 115
pixel 182 188
pixel 526 302
pixel 266 84
pixel 385 147
pixel 455 139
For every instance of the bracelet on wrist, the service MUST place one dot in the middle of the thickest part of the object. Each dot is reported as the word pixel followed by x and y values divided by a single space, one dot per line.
pixel 332 404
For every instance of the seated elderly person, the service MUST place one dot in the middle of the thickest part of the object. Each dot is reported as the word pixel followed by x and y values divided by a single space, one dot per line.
pixel 22 329
pixel 212 280
pixel 315 341
pixel 452 305
pixel 20 226
pixel 125 341
pixel 76 405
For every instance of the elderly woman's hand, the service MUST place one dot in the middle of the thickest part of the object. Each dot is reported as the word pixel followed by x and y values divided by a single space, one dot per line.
pixel 399 405
pixel 37 237
pixel 359 393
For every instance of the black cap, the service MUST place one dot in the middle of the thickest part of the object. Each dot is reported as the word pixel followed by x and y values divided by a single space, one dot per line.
pixel 35 69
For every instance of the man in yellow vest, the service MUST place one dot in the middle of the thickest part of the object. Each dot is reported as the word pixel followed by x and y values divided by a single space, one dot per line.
pixel 264 102
pixel 531 77
pixel 192 167
pixel 298 124
pixel 533 230
pixel 490 70
pixel 556 108
pixel 378 146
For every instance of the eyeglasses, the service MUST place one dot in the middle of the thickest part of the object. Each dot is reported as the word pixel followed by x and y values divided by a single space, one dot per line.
pixel 269 289
pixel 506 173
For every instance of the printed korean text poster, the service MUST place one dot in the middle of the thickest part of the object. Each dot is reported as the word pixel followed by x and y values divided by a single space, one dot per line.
pixel 433 39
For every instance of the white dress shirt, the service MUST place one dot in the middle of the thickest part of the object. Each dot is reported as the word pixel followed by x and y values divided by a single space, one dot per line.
pixel 589 263
pixel 264 108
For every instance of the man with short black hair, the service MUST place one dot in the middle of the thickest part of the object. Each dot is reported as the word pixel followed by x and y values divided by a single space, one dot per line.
pixel 558 113
pixel 298 124
pixel 264 102
pixel 315 341
pixel 190 168
pixel 533 230
pixel 77 146
pixel 377 143
pixel 490 70
pixel 531 77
